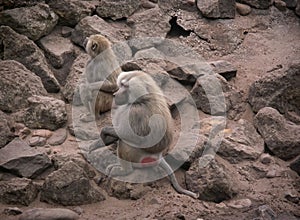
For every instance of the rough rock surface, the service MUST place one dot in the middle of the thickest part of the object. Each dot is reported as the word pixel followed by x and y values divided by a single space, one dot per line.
pixel 217 8
pixel 295 165
pixel 122 8
pixel 22 160
pixel 17 84
pixel 45 112
pixel 58 137
pixel 74 78
pixel 281 136
pixel 96 25
pixel 70 185
pixel 18 191
pixel 241 142
pixel 20 48
pixel 150 23
pixel 213 182
pixel 49 214
pixel 58 50
pixel 33 22
pixel 5 133
pixel 260 4
pixel 279 90
pixel 70 12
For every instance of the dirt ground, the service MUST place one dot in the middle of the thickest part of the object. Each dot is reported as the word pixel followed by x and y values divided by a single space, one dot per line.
pixel 270 43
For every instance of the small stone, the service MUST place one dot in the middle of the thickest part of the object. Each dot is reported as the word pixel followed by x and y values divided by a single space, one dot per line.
pixel 147 4
pixel 221 205
pixel 58 137
pixel 12 211
pixel 266 212
pixel 66 31
pixel 37 141
pixel 280 5
pixel 42 133
pixel 224 68
pixel 292 197
pixel 240 204
pixel 272 173
pixel 266 159
pixel 49 214
pixel 243 9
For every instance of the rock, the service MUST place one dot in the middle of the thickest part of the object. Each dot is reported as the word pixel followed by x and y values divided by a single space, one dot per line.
pixel 217 8
pixel 241 142
pixel 96 25
pixel 279 90
pixel 58 137
pixel 280 5
pixel 49 214
pixel 295 165
pixel 297 10
pixel 266 159
pixel 167 6
pixel 37 141
pixel 147 4
pixel 18 191
pixel 240 203
pixel 69 185
pixel 150 23
pixel 20 48
pixel 243 9
pixel 292 197
pixel 6 134
pixel 33 22
pixel 70 12
pixel 290 3
pixel 15 81
pixel 213 183
pixel 20 3
pixel 259 4
pixel 74 78
pixel 224 68
pixel 12 211
pixel 266 212
pixel 60 160
pixel 20 159
pixel 58 50
pixel 86 132
pixel 214 95
pixel 42 133
pixel 121 8
pixel 45 112
pixel 66 31
pixel 281 137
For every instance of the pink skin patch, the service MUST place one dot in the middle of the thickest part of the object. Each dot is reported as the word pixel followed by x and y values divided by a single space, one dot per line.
pixel 148 161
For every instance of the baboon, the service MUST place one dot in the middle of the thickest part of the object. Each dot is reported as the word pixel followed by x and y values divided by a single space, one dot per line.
pixel 143 124
pixel 100 77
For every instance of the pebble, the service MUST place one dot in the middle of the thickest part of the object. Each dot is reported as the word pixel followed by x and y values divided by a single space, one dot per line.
pixel 266 159
pixel 37 141
pixel 58 137
pixel 243 9
pixel 49 214
pixel 240 204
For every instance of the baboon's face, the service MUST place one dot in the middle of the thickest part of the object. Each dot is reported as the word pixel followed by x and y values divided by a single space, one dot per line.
pixel 96 44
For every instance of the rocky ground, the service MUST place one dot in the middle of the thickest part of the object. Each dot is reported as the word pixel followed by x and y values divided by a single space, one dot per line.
pixel 250 50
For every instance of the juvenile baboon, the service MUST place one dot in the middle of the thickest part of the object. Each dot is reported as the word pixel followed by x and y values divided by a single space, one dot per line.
pixel 143 123
pixel 100 77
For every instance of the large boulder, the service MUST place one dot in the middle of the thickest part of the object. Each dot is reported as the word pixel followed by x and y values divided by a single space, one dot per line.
pixel 214 182
pixel 260 4
pixel 121 8
pixel 6 134
pixel 74 78
pixel 34 22
pixel 45 112
pixel 20 191
pixel 217 8
pixel 16 85
pixel 22 160
pixel 20 48
pixel 70 185
pixel 96 25
pixel 70 12
pixel 150 23
pixel 58 50
pixel 20 3
pixel 279 90
pixel 281 136
pixel 241 142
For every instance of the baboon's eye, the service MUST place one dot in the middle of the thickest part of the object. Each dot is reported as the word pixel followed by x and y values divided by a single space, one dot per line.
pixel 94 46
